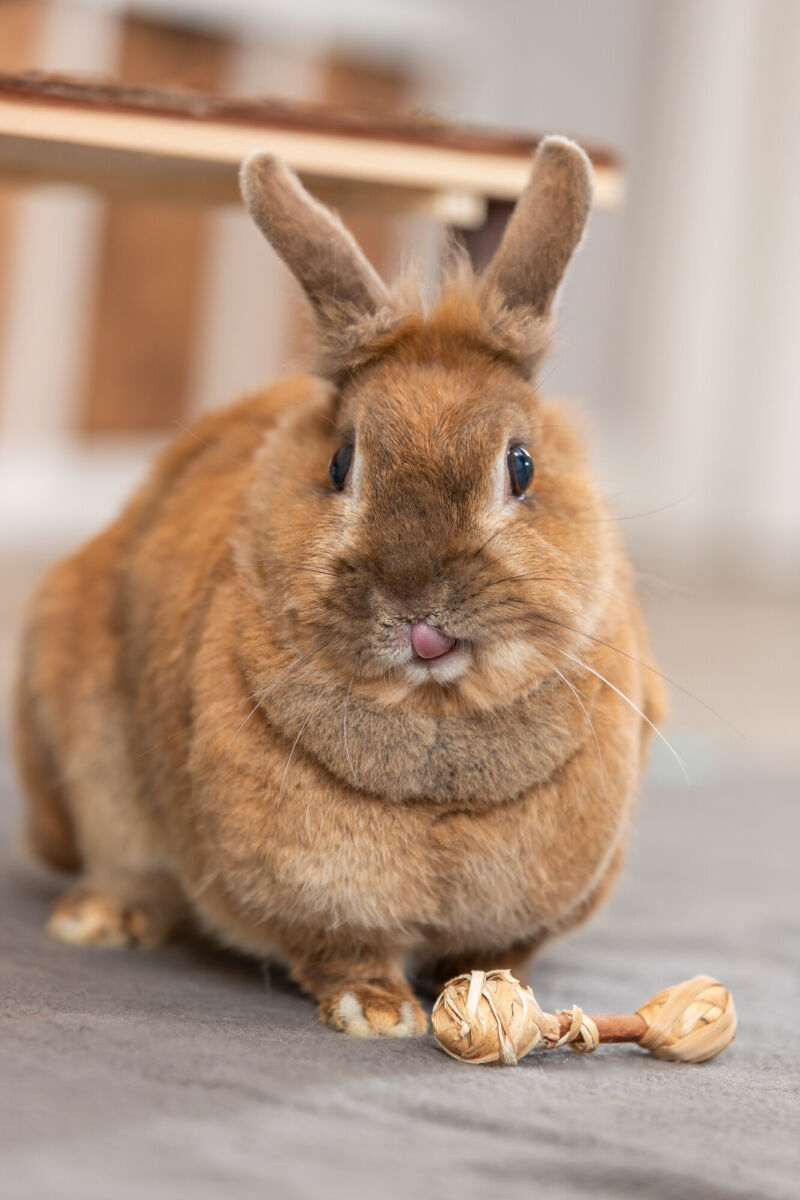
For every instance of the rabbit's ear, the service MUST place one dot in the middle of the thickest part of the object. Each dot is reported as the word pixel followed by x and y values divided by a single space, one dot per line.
pixel 545 227
pixel 312 242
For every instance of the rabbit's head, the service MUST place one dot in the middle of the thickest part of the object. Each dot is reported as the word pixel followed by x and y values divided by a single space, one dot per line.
pixel 427 525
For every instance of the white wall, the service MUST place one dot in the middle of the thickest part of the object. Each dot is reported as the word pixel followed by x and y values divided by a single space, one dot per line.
pixel 706 368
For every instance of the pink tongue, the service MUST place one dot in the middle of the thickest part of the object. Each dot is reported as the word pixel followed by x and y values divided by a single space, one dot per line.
pixel 429 642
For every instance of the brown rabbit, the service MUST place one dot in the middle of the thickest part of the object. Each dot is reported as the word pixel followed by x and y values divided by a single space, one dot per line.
pixel 347 681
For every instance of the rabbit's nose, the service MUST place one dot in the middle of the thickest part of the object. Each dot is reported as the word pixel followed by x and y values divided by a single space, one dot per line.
pixel 428 641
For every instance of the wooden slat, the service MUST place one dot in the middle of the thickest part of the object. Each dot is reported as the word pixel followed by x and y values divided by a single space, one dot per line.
pixel 350 84
pixel 156 176
pixel 152 261
pixel 168 140
pixel 345 85
pixel 64 91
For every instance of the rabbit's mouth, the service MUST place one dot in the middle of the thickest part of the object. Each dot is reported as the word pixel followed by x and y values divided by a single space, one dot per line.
pixel 421 650
pixel 429 643
pixel 433 654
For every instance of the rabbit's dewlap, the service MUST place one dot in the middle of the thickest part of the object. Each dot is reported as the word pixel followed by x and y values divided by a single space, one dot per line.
pixel 357 677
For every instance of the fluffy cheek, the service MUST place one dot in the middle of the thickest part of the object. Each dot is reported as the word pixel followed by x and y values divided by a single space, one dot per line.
pixel 284 546
pixel 502 672
pixel 514 659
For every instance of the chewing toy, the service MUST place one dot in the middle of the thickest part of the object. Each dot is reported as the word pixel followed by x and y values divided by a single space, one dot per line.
pixel 490 1017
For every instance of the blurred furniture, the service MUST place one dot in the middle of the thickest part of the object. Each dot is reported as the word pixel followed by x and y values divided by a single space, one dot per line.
pixel 158 138
pixel 151 143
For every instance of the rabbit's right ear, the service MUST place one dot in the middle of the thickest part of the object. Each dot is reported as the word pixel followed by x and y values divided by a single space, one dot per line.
pixel 317 249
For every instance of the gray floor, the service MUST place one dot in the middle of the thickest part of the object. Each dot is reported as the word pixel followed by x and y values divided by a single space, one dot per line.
pixel 185 1071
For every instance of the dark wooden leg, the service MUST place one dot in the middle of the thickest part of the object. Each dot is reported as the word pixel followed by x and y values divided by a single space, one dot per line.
pixel 152 261
pixel 481 243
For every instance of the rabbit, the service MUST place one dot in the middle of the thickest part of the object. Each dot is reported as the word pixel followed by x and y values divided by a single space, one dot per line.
pixel 357 681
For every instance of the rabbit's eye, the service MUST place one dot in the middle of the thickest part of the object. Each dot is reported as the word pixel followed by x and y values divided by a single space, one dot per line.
pixel 340 465
pixel 520 469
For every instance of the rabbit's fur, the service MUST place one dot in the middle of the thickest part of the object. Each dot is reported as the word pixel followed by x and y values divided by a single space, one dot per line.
pixel 219 711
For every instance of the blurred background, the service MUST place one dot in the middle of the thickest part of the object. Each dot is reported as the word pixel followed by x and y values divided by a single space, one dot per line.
pixel 680 322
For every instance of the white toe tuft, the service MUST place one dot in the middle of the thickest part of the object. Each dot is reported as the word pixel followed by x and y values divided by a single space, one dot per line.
pixel 351 1014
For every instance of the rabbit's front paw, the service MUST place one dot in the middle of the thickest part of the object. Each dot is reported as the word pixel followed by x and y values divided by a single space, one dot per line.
pixel 374 1010
pixel 91 916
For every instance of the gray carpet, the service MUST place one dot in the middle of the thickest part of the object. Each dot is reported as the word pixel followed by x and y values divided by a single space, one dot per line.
pixel 185 1071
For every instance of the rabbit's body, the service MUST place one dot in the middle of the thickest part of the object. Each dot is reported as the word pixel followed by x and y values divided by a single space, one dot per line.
pixel 219 709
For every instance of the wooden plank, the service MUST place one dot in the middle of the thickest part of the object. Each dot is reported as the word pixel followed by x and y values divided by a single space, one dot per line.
pixel 151 273
pixel 167 140
pixel 65 91
pixel 121 175
pixel 481 242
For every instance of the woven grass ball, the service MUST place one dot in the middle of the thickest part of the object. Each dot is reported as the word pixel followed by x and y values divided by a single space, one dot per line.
pixel 489 1016
pixel 691 1022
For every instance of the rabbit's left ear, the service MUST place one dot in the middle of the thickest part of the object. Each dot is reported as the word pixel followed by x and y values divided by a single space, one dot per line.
pixel 316 247
pixel 545 227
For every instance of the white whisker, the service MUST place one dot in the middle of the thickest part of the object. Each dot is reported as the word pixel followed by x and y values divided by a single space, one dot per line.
pixel 210 445
pixel 247 718
pixel 640 662
pixel 311 712
pixel 292 665
pixel 344 732
pixel 186 728
pixel 635 708
pixel 583 706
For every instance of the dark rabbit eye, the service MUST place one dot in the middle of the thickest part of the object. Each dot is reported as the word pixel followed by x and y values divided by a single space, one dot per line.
pixel 520 469
pixel 340 464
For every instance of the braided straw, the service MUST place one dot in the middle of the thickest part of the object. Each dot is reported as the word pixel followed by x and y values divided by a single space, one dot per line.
pixel 690 1022
pixel 489 1016
pixel 583 1034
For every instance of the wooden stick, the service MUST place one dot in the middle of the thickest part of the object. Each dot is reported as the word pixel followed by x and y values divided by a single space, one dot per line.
pixel 612 1027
